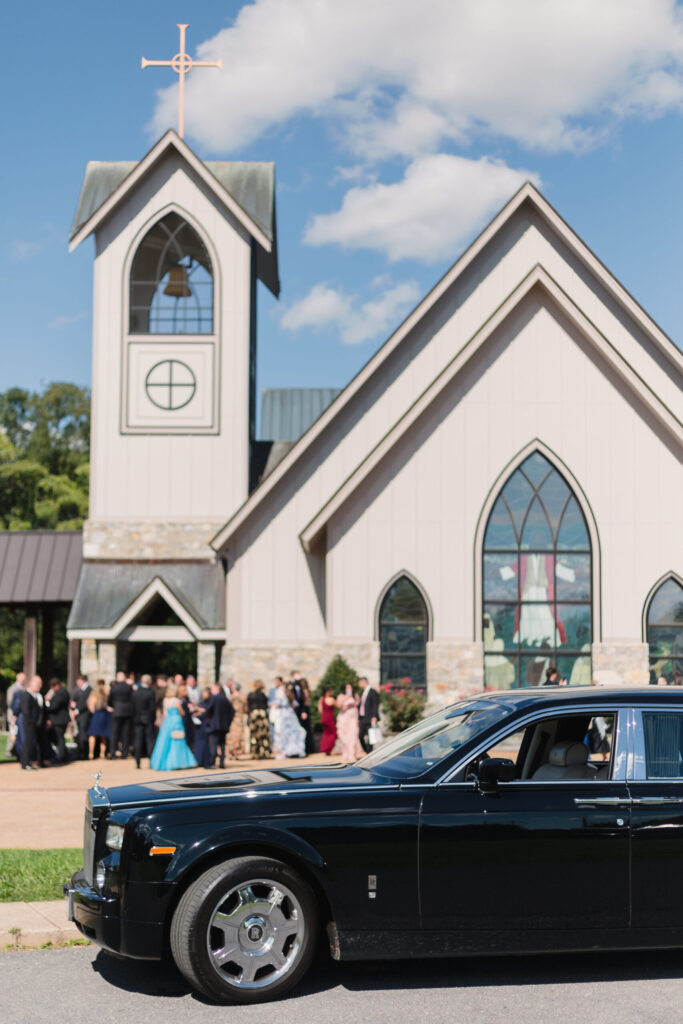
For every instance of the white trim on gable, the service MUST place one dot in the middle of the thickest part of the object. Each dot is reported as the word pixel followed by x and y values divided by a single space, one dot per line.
pixel 536 278
pixel 166 142
pixel 528 193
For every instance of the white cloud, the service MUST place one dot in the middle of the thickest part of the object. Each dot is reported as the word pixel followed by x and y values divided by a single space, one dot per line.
pixel 394 77
pixel 427 215
pixel 322 306
pixel 22 249
pixel 352 320
pixel 67 319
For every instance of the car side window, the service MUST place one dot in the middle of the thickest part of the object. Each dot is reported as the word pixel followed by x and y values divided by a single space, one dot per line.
pixel 663 735
pixel 562 749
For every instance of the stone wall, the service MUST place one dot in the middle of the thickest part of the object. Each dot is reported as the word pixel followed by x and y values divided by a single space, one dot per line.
pixel 148 540
pixel 621 663
pixel 455 669
pixel 206 663
pixel 263 662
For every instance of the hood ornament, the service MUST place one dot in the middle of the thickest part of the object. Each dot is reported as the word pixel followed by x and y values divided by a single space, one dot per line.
pixel 97 778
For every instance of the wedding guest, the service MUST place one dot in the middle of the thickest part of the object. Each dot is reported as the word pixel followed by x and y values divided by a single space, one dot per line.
pixel 219 715
pixel 187 715
pixel 347 724
pixel 326 707
pixel 81 715
pixel 144 714
pixel 302 696
pixel 171 751
pixel 259 725
pixel 33 721
pixel 194 692
pixel 121 707
pixel 290 736
pixel 236 740
pixel 57 711
pixel 201 749
pixel 99 728
pixel 368 713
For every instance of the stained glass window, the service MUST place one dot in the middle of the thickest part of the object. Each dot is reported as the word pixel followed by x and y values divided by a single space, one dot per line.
pixel 664 626
pixel 403 628
pixel 171 281
pixel 536 581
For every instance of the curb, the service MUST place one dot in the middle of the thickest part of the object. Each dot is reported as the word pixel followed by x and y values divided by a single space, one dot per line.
pixel 32 925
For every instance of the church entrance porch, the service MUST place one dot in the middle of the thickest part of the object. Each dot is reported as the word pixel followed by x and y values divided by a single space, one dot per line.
pixel 157 658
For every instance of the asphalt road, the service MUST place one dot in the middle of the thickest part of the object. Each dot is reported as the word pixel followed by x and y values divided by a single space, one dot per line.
pixel 84 985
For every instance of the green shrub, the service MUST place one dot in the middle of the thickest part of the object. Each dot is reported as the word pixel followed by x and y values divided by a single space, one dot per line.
pixel 401 705
pixel 337 674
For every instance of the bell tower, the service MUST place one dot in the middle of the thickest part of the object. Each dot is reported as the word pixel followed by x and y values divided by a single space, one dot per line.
pixel 179 246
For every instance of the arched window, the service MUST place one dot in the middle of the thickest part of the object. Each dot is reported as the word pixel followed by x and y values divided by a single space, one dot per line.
pixel 536 581
pixel 664 632
pixel 171 281
pixel 403 628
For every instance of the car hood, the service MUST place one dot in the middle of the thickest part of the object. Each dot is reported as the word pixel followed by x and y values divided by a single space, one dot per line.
pixel 255 781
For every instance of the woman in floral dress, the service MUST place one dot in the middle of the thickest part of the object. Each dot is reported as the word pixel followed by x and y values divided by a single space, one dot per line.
pixel 259 723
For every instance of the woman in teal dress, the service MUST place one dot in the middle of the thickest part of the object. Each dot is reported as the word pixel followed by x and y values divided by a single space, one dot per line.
pixel 171 751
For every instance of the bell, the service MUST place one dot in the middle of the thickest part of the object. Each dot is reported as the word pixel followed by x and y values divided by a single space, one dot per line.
pixel 177 285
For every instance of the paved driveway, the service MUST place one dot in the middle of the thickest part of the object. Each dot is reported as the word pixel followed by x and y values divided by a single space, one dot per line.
pixel 84 985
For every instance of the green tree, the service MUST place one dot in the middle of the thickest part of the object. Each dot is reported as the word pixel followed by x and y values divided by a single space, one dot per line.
pixel 44 451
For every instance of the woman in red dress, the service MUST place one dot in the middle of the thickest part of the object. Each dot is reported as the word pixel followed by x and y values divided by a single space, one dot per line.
pixel 326 706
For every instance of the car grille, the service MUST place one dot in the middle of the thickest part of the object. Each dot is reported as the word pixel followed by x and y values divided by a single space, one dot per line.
pixel 88 845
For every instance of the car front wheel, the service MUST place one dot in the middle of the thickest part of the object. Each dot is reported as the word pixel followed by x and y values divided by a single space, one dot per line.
pixel 244 931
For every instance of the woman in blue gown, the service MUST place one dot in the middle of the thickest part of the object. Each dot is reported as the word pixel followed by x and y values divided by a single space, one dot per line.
pixel 171 751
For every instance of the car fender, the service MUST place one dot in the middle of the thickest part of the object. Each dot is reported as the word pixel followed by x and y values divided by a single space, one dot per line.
pixel 239 838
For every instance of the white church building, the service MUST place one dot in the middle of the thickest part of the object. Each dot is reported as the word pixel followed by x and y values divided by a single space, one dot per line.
pixel 498 489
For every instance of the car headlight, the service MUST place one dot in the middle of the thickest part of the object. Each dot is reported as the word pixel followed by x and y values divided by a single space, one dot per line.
pixel 114 839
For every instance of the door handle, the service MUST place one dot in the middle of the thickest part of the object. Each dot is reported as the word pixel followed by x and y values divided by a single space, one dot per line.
pixel 603 801
pixel 656 801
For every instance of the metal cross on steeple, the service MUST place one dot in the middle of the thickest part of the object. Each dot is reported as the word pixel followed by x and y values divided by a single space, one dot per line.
pixel 181 64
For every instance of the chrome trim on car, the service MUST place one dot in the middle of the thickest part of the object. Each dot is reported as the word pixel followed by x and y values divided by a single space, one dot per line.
pixel 200 798
pixel 638 765
pixel 654 801
pixel 618 774
pixel 602 801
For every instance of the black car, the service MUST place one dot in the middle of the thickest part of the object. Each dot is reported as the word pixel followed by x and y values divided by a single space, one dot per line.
pixel 532 820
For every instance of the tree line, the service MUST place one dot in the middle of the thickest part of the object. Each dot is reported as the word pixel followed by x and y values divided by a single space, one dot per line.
pixel 44 457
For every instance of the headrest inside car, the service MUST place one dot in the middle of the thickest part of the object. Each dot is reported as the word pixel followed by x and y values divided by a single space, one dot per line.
pixel 568 752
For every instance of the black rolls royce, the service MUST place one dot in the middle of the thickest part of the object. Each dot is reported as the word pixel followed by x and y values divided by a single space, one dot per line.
pixel 531 820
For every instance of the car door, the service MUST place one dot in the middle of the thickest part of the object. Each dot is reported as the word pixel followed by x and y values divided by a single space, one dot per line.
pixel 537 855
pixel 656 784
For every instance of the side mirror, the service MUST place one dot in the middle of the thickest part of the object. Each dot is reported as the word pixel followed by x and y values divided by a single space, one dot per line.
pixel 493 770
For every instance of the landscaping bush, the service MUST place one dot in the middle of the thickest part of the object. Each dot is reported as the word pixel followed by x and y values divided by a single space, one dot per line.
pixel 337 674
pixel 401 705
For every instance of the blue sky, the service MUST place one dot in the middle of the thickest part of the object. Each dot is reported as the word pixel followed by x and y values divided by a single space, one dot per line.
pixel 398 129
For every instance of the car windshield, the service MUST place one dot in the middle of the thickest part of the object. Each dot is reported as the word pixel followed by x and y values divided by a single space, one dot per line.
pixel 419 748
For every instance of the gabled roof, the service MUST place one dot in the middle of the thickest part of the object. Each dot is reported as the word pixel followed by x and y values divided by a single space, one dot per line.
pixel 537 279
pixel 527 194
pixel 110 593
pixel 246 188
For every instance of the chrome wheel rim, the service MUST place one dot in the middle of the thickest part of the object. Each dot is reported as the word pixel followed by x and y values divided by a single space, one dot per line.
pixel 255 934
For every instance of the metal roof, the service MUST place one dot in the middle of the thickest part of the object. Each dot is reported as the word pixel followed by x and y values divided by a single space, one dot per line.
pixel 107 589
pixel 248 187
pixel 287 413
pixel 251 184
pixel 39 566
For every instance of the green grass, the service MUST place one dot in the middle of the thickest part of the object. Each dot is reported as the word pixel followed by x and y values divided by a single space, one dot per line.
pixel 5 744
pixel 27 875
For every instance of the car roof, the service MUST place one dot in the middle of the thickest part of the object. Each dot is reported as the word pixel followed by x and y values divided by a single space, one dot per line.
pixel 565 696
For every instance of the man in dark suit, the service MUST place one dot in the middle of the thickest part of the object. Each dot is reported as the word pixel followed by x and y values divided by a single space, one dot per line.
pixel 31 710
pixel 144 713
pixel 79 705
pixel 121 707
pixel 368 712
pixel 57 712
pixel 219 715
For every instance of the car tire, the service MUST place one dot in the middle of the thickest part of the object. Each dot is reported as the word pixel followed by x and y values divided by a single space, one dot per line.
pixel 245 930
